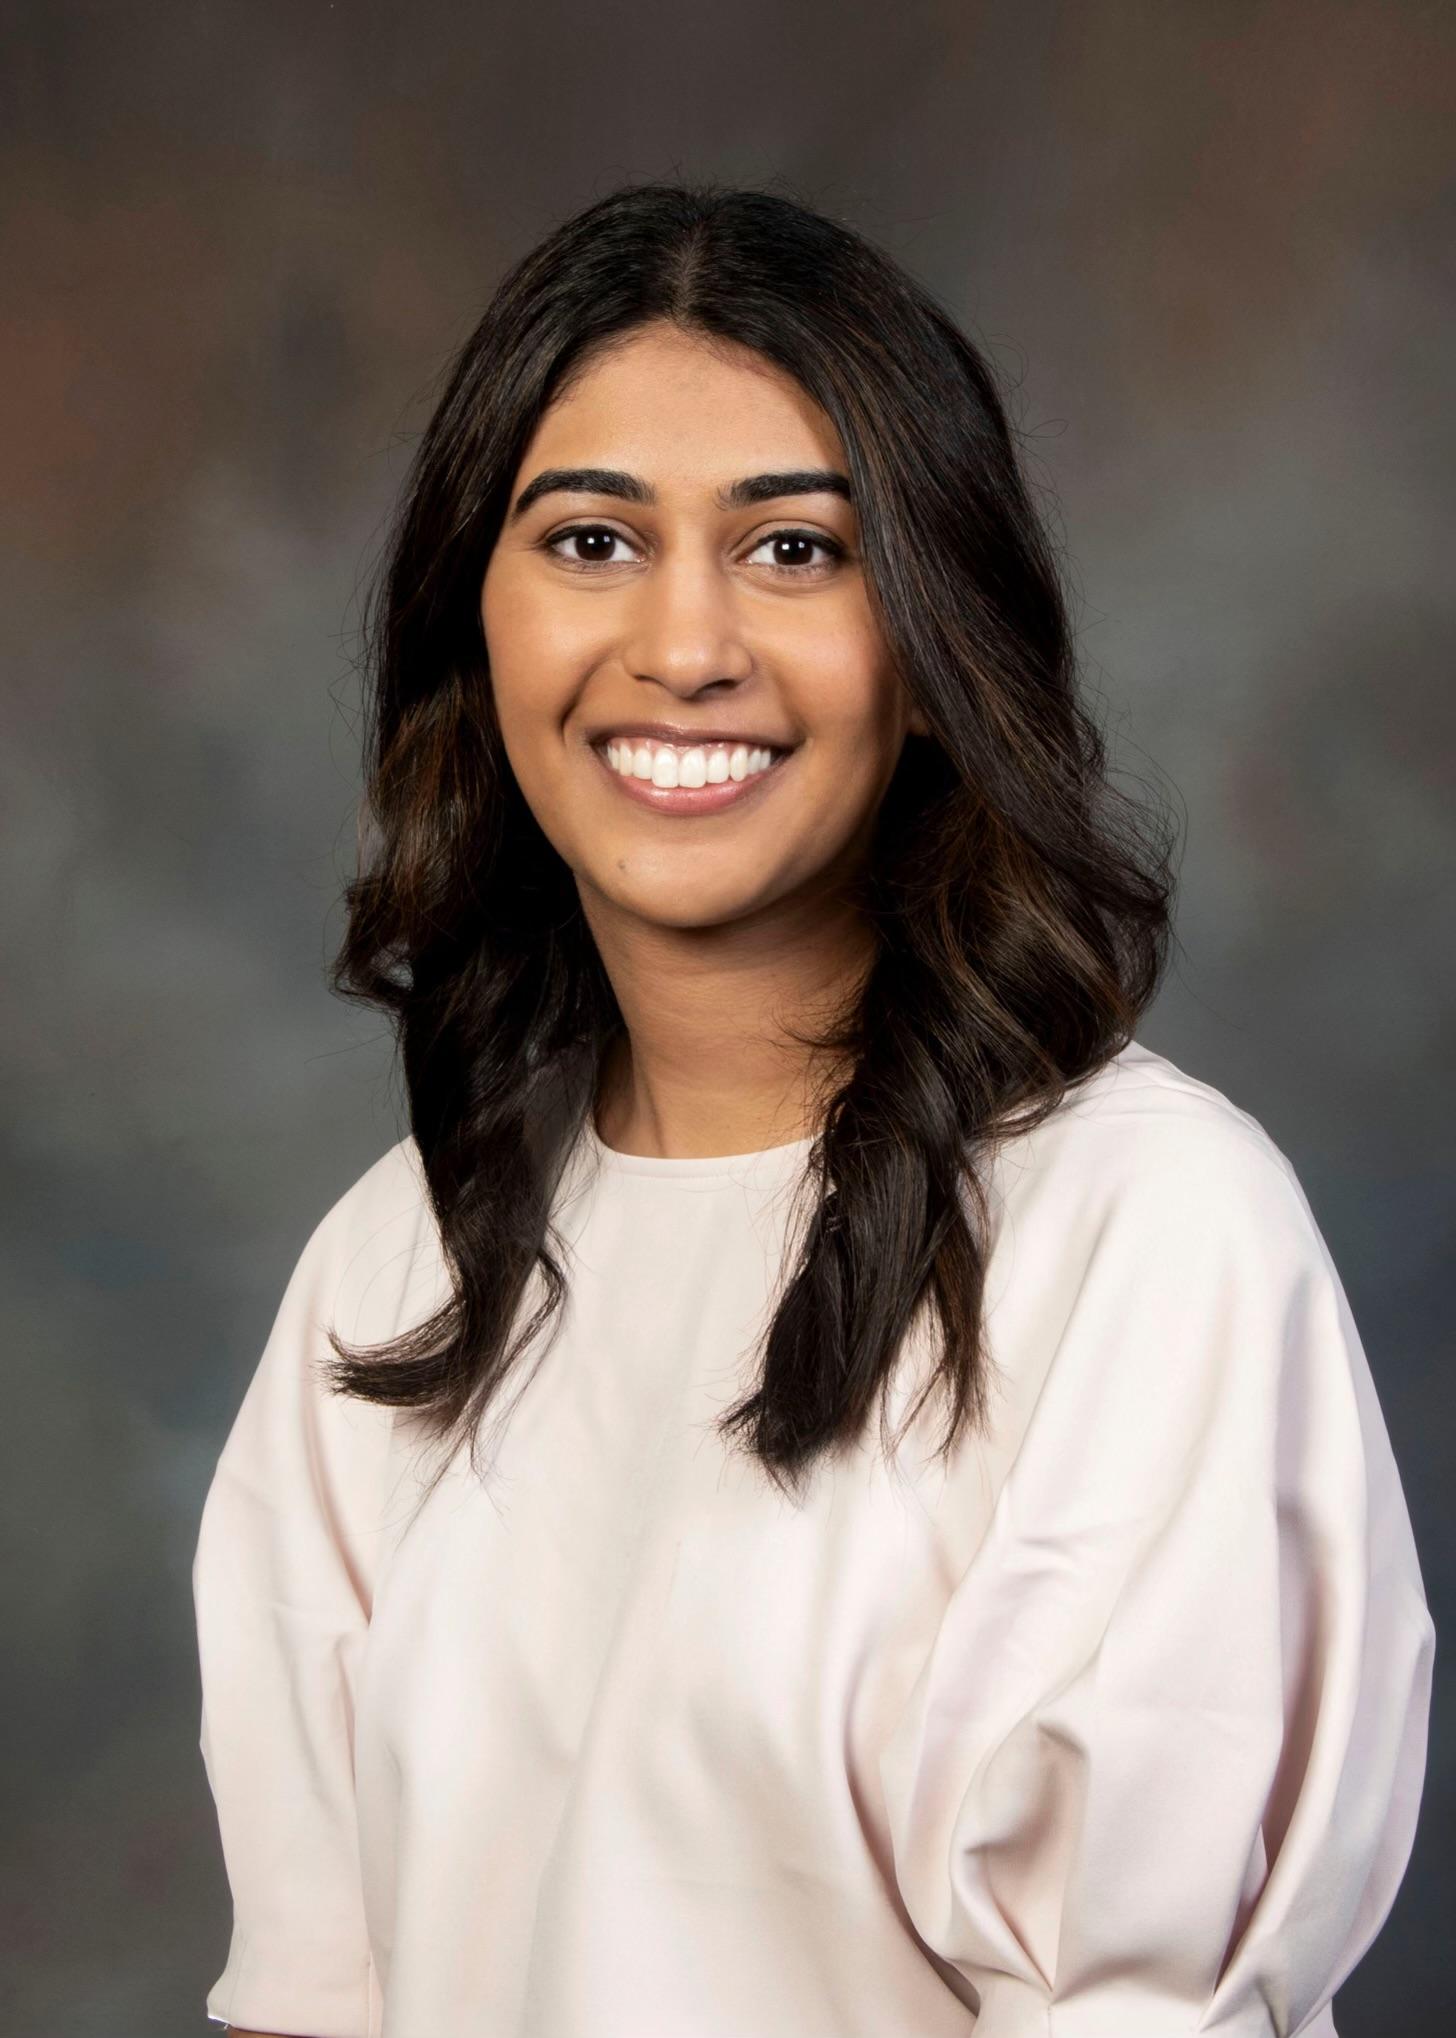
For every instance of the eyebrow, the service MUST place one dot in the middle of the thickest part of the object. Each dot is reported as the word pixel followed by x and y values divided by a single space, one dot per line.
pixel 754 488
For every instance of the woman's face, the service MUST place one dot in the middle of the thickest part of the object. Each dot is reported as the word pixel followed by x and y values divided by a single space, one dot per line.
pixel 674 615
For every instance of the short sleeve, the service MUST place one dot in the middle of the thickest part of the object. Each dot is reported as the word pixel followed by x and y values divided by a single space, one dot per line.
pixel 1160 1771
pixel 282 1584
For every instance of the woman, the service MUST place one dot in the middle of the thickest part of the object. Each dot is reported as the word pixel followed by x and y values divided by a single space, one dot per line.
pixel 938 1558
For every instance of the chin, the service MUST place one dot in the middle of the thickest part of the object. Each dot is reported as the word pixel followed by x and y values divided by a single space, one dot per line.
pixel 684 906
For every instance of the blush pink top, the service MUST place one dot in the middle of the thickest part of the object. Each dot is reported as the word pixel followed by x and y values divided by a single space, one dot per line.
pixel 1113 1726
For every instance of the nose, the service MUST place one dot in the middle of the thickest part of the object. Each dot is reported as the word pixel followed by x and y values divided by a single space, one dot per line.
pixel 683 631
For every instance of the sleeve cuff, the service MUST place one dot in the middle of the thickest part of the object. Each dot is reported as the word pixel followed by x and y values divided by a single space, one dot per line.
pixel 290 1988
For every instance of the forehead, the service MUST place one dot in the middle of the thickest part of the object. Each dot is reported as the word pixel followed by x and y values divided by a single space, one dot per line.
pixel 665 404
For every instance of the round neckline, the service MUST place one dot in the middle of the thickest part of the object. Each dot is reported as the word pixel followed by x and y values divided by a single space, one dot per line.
pixel 687 1167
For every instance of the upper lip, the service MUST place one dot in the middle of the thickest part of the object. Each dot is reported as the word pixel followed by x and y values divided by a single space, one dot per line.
pixel 677 732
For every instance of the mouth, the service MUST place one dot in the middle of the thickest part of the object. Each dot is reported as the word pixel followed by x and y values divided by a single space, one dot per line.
pixel 689 778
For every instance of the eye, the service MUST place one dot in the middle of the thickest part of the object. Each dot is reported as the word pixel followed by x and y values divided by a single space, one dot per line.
pixel 799 540
pixel 595 532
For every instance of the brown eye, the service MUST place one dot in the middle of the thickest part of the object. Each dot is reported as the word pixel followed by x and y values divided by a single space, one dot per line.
pixel 792 547
pixel 591 545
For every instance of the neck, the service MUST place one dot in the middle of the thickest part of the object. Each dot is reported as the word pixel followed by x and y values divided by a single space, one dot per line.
pixel 707 1064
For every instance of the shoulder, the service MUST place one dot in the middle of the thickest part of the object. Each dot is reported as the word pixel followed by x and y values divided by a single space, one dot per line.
pixel 1140 1095
pixel 390 1187
pixel 304 1473
pixel 1149 1216
pixel 375 1252
pixel 1144 1136
pixel 1158 1289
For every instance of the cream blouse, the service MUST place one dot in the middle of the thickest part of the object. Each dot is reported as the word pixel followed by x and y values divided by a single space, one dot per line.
pixel 1114 1726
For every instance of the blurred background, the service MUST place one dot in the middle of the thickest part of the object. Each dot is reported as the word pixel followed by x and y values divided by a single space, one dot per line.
pixel 1210 246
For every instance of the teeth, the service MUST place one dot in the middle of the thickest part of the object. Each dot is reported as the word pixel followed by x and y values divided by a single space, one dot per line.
pixel 670 764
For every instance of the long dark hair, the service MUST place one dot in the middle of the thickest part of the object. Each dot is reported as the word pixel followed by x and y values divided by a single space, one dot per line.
pixel 1020 903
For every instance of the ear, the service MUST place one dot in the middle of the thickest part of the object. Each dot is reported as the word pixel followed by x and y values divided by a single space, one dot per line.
pixel 917 724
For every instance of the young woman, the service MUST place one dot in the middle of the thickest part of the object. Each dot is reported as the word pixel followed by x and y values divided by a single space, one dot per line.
pixel 824 1490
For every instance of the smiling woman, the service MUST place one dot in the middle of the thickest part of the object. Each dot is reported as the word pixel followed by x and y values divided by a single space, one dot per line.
pixel 711 678
pixel 766 942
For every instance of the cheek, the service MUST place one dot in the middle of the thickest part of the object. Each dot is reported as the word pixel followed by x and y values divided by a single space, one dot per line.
pixel 532 684
pixel 853 704
pixel 843 669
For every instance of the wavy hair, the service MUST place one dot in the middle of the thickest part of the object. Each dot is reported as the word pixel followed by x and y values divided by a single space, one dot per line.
pixel 1019 903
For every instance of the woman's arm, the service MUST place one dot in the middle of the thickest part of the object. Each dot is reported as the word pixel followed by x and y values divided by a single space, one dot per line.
pixel 283 1577
pixel 1161 1769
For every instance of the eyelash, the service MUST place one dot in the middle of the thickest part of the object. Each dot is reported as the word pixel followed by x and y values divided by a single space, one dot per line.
pixel 832 546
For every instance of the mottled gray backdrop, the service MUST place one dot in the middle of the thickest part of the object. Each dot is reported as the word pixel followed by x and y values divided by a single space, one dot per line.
pixel 1212 247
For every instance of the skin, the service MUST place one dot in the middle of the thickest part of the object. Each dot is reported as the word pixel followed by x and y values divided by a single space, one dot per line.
pixel 715 929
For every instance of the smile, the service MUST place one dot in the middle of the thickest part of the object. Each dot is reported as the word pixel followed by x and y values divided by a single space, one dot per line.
pixel 687 778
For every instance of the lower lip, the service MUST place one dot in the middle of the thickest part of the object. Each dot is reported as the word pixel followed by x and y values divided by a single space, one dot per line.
pixel 691 799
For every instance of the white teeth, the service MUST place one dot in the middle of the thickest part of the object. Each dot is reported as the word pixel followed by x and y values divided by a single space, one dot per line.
pixel 665 765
